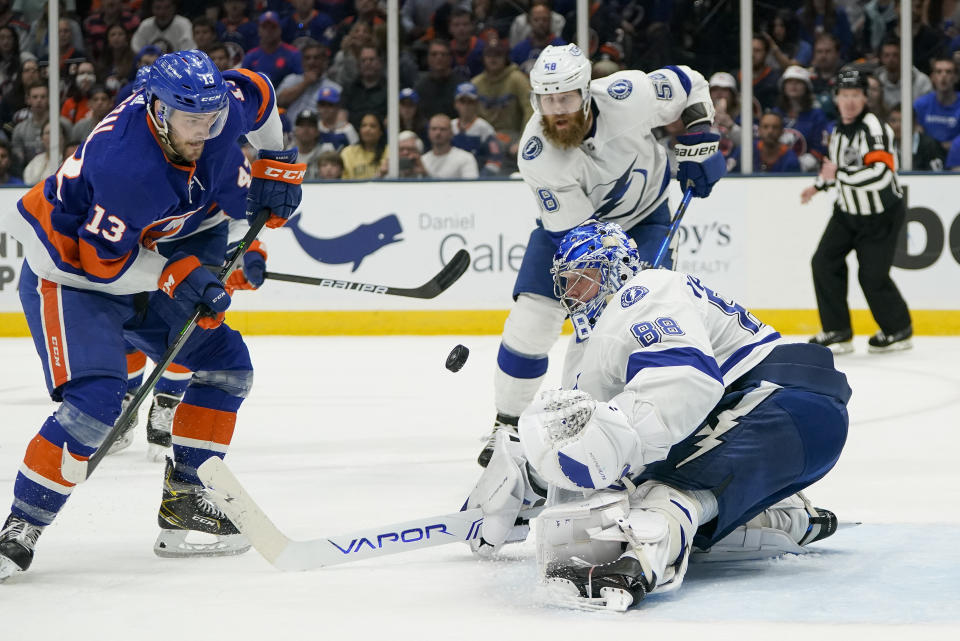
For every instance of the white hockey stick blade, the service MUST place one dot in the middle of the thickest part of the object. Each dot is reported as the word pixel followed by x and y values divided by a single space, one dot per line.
pixel 71 469
pixel 289 555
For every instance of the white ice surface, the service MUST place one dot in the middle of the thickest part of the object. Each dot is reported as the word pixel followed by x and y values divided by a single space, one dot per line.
pixel 343 433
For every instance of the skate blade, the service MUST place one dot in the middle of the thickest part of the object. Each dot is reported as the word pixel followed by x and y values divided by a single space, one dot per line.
pixel 564 593
pixel 173 544
pixel 7 568
pixel 899 346
pixel 121 444
pixel 157 453
pixel 839 349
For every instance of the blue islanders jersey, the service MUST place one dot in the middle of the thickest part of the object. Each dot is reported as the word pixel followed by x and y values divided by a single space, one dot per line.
pixel 941 122
pixel 95 223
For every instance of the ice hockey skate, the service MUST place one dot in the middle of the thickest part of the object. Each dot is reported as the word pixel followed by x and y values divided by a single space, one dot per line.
pixel 895 342
pixel 125 439
pixel 160 425
pixel 609 586
pixel 18 538
pixel 839 342
pixel 502 422
pixel 191 524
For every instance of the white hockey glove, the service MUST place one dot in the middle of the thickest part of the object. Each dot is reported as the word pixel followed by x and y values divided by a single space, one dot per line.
pixel 576 443
pixel 504 488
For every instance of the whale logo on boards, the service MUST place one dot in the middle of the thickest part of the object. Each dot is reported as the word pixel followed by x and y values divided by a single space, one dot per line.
pixel 351 247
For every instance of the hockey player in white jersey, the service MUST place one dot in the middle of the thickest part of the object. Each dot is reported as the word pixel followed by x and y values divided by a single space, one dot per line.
pixel 689 419
pixel 589 152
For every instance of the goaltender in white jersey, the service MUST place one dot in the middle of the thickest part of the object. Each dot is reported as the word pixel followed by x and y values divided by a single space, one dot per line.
pixel 589 152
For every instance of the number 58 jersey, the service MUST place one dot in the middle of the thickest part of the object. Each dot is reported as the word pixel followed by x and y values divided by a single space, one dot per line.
pixel 668 342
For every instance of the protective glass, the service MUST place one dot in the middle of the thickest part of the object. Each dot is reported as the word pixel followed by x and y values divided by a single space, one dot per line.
pixel 193 126
pixel 557 104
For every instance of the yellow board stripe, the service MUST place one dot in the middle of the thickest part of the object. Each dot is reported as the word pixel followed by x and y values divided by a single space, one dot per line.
pixel 477 322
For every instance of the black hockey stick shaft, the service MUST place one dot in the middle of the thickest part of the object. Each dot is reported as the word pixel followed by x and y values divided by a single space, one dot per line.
pixel 446 277
pixel 674 226
pixel 175 346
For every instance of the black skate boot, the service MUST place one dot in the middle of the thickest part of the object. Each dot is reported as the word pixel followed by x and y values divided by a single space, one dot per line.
pixel 821 526
pixel 881 342
pixel 186 508
pixel 125 439
pixel 615 586
pixel 503 422
pixel 839 342
pixel 160 425
pixel 18 538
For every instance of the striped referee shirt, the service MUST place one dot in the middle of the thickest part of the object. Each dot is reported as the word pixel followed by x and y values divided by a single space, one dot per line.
pixel 866 166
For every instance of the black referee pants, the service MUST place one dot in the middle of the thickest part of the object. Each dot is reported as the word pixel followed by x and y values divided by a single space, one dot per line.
pixel 874 238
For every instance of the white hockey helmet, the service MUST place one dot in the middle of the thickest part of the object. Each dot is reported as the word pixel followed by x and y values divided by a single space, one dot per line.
pixel 558 70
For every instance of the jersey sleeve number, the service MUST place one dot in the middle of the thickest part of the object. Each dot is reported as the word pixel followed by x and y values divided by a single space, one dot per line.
pixel 746 320
pixel 547 200
pixel 117 226
pixel 650 333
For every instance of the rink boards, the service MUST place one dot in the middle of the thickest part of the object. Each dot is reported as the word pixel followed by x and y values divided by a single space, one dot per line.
pixel 751 240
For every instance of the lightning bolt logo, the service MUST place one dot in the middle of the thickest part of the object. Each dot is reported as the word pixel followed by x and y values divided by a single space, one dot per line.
pixel 728 419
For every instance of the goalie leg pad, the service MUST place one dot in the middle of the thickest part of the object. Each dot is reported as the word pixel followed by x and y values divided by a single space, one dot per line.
pixel 585 529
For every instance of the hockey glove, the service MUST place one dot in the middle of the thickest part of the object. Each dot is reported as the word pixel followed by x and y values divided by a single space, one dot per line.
pixel 251 275
pixel 701 164
pixel 185 280
pixel 276 186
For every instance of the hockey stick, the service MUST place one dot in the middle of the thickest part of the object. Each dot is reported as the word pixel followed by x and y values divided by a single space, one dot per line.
pixel 674 226
pixel 430 289
pixel 76 471
pixel 289 555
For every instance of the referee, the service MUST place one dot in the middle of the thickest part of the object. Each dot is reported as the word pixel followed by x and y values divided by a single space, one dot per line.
pixel 867 217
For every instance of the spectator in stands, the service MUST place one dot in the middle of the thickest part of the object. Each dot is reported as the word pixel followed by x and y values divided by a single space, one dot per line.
pixel 234 26
pixel 786 46
pixel 770 155
pixel 204 33
pixel 437 86
pixel 221 56
pixel 409 152
pixel 416 16
pixel 520 27
pixel 273 57
pixel 765 79
pixel 7 177
pixel 465 47
pixel 330 165
pixel 474 134
pixel 27 139
pixel 928 153
pixel 938 112
pixel 889 74
pixel 147 56
pixel 164 23
pixel 70 52
pixel 37 39
pixel 504 92
pixel 101 103
pixel 927 42
pixel 298 92
pixel 346 63
pixel 821 16
pixel 726 104
pixel 334 134
pixel 307 22
pixel 411 118
pixel 306 136
pixel 117 63
pixel 95 26
pixel 525 52
pixel 368 93
pixel 823 73
pixel 362 161
pixel 953 156
pixel 10 57
pixel 46 162
pixel 444 160
pixel 805 125
pixel 13 105
pixel 75 105
pixel 875 98
pixel 880 19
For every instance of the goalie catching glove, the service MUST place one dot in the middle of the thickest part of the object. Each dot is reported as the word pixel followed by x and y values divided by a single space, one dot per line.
pixel 276 186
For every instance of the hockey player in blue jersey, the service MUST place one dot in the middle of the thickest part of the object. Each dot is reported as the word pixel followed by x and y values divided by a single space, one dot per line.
pixel 691 423
pixel 589 151
pixel 92 277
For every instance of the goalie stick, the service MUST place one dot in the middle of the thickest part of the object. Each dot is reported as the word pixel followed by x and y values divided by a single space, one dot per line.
pixel 446 277
pixel 289 555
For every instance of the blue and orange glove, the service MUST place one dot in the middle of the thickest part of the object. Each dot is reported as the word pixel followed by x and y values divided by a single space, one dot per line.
pixel 700 163
pixel 253 270
pixel 185 280
pixel 276 186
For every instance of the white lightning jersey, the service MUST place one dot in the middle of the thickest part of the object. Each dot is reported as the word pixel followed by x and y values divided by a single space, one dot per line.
pixel 619 173
pixel 668 345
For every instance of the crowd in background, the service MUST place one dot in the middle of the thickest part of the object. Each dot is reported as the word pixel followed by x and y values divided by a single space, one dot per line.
pixel 463 71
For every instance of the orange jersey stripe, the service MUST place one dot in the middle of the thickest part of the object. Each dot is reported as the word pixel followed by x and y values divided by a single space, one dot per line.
pixel 178 369
pixel 43 457
pixel 53 332
pixel 879 155
pixel 136 362
pixel 37 205
pixel 262 87
pixel 105 268
pixel 204 424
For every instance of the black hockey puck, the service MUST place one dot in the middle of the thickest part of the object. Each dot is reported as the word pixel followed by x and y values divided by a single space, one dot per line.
pixel 456 359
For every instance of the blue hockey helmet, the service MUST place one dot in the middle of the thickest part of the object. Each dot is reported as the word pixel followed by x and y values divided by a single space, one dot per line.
pixel 592 263
pixel 188 82
pixel 143 74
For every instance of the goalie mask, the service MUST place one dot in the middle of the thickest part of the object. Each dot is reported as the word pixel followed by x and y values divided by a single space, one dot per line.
pixel 560 70
pixel 592 263
pixel 190 96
